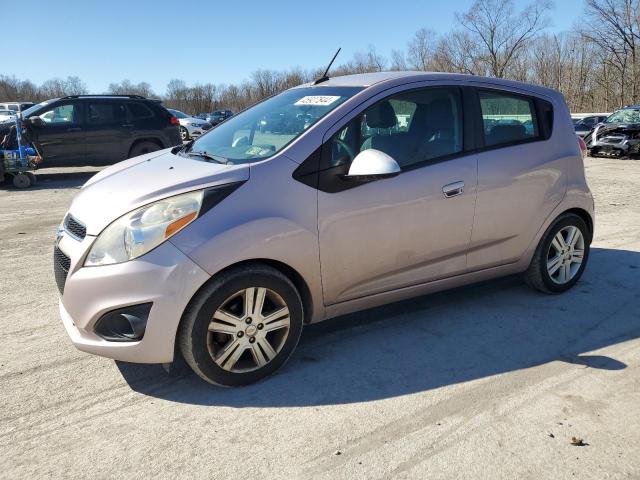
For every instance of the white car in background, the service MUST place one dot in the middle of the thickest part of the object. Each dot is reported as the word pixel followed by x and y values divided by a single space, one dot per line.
pixel 7 115
pixel 190 127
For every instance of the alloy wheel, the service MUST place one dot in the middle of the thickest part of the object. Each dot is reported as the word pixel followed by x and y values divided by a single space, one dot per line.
pixel 565 255
pixel 248 330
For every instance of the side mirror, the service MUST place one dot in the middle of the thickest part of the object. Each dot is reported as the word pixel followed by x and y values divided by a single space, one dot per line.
pixel 372 164
pixel 36 121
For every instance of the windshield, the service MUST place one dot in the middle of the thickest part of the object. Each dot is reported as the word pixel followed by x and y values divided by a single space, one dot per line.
pixel 178 113
pixel 626 115
pixel 266 128
pixel 26 113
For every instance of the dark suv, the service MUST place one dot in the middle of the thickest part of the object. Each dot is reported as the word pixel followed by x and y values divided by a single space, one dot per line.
pixel 99 129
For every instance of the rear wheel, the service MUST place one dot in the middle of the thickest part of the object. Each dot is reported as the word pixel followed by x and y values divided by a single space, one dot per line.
pixel 21 180
pixel 561 256
pixel 242 327
pixel 143 147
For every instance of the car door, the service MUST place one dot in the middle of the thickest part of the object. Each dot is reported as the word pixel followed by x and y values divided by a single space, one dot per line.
pixel 107 131
pixel 521 176
pixel 391 233
pixel 60 134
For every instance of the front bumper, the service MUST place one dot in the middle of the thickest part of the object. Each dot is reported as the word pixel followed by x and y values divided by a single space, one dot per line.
pixel 164 277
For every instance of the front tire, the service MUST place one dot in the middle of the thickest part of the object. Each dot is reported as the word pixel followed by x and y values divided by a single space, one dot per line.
pixel 143 148
pixel 561 256
pixel 242 326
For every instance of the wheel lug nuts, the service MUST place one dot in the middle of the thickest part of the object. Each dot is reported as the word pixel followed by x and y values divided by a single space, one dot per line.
pixel 252 339
pixel 260 326
pixel 248 320
pixel 240 334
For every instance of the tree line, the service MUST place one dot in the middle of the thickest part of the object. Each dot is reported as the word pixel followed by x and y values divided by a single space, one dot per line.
pixel 595 65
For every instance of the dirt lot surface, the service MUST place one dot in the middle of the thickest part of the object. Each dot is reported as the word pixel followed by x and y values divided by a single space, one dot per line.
pixel 489 381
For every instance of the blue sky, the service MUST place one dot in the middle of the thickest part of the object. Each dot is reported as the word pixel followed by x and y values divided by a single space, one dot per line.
pixel 216 41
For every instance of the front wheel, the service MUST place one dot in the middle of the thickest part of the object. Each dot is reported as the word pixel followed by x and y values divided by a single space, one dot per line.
pixel 184 134
pixel 561 256
pixel 241 327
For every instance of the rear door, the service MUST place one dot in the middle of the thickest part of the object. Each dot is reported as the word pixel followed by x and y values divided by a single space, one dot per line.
pixel 61 135
pixel 521 175
pixel 107 131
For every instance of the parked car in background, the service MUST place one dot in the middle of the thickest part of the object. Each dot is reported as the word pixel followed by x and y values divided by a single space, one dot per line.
pixel 219 116
pixel 98 129
pixel 617 135
pixel 15 106
pixel 584 125
pixel 222 250
pixel 190 127
pixel 7 115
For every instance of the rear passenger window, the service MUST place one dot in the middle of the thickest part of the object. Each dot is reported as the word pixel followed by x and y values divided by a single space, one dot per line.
pixel 139 111
pixel 507 118
pixel 106 113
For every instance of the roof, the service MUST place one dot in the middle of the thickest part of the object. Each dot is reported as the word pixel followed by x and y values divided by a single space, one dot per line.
pixel 369 79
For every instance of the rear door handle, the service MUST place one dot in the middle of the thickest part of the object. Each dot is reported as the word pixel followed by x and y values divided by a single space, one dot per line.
pixel 453 189
pixel 74 129
pixel 127 125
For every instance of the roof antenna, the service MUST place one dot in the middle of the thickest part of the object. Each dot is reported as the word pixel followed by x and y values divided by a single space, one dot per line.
pixel 325 77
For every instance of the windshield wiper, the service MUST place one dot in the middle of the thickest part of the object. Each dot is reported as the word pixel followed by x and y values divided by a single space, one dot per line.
pixel 208 156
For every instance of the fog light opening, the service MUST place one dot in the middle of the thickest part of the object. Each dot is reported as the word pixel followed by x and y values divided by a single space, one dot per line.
pixel 126 324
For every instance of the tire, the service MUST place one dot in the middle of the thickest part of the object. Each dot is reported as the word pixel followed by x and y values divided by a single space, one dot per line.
pixel 32 177
pixel 21 180
pixel 228 356
pixel 184 134
pixel 552 271
pixel 143 147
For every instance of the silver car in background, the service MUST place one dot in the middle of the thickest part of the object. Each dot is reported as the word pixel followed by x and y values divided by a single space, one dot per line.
pixel 395 185
pixel 190 127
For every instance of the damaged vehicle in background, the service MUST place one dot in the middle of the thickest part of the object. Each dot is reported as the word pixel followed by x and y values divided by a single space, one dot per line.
pixel 618 135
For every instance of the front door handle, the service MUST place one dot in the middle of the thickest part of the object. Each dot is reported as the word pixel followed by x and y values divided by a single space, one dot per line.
pixel 127 125
pixel 74 129
pixel 453 189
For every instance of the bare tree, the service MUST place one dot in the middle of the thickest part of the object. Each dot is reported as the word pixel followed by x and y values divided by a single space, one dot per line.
pixel 501 31
pixel 421 49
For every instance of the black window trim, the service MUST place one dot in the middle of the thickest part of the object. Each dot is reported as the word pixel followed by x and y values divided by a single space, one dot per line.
pixel 479 123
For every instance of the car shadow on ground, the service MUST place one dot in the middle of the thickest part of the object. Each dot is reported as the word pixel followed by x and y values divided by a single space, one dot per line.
pixel 54 178
pixel 435 341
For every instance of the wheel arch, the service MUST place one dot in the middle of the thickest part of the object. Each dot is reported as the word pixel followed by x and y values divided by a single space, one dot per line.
pixel 584 215
pixel 138 141
pixel 291 273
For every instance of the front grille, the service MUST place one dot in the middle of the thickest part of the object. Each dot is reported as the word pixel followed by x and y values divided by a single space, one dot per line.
pixel 75 228
pixel 61 265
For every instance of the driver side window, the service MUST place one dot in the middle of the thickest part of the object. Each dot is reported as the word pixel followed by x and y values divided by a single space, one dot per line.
pixel 412 127
pixel 62 114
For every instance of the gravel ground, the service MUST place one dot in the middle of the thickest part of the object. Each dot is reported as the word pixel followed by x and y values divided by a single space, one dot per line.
pixel 488 381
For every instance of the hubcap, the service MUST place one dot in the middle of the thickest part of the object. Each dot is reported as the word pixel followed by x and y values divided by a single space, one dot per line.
pixel 565 255
pixel 248 330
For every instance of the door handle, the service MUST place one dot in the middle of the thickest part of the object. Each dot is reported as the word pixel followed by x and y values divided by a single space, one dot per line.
pixel 127 125
pixel 453 189
pixel 74 129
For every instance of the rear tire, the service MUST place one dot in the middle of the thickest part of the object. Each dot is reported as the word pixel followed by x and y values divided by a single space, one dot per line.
pixel 561 255
pixel 143 147
pixel 242 326
pixel 21 180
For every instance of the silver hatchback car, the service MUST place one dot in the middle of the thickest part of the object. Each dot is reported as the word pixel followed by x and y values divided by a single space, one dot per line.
pixel 372 189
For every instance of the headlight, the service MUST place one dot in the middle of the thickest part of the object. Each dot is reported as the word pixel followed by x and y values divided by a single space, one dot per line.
pixel 142 230
pixel 195 124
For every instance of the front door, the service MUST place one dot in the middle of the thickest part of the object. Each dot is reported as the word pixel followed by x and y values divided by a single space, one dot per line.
pixel 61 135
pixel 401 231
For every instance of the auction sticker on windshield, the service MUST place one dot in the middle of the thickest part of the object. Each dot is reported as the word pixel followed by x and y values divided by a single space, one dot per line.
pixel 321 100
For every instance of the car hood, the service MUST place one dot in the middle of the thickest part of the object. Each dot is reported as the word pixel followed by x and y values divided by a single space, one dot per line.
pixel 130 184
